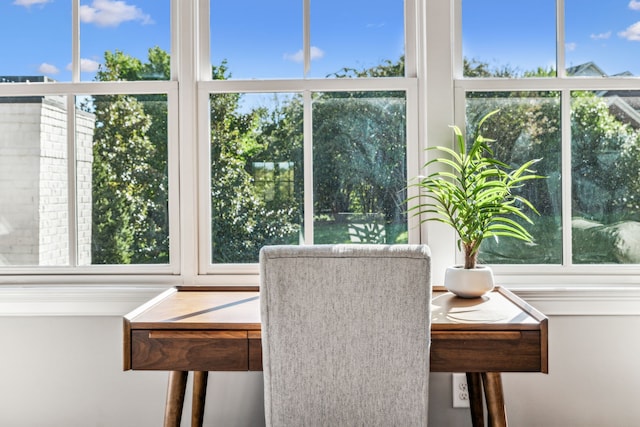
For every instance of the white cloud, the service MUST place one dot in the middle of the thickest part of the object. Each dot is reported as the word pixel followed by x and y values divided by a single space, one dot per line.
pixel 634 5
pixel 29 3
pixel 111 13
pixel 316 53
pixel 570 47
pixel 87 65
pixel 49 69
pixel 601 36
pixel 631 33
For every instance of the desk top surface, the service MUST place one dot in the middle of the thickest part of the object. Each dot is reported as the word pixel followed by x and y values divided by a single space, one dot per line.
pixel 225 308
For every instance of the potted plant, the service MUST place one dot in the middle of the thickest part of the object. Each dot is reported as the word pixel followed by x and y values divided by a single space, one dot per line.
pixel 472 191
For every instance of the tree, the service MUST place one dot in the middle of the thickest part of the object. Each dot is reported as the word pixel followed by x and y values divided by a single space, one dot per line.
pixel 241 221
pixel 121 151
pixel 130 182
pixel 359 154
pixel 605 162
pixel 605 155
pixel 130 172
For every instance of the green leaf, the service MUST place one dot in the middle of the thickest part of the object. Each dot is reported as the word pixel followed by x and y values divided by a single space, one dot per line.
pixel 471 191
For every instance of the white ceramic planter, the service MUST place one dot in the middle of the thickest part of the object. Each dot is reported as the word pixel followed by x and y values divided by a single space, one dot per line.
pixel 469 283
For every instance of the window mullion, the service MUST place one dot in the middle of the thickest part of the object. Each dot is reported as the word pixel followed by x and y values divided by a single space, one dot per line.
pixel 565 120
pixel 203 43
pixel 560 40
pixel 75 41
pixel 308 167
pixel 412 13
pixel 306 35
pixel 71 182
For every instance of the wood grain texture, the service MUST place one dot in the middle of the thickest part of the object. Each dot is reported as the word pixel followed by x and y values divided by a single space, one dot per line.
pixel 188 354
pixel 451 353
pixel 199 397
pixel 126 348
pixel 175 398
pixel 255 352
pixel 517 342
pixel 476 402
pixel 497 413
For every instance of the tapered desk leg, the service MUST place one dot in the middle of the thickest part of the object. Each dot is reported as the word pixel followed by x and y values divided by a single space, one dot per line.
pixel 476 405
pixel 175 398
pixel 495 399
pixel 199 397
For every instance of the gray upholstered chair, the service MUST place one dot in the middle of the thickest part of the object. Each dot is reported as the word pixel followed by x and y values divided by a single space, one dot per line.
pixel 345 334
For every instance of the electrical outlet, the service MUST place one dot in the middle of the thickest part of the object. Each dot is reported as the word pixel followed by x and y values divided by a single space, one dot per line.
pixel 460 391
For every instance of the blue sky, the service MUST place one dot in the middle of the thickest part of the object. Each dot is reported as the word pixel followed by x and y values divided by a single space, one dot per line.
pixel 521 34
pixel 267 41
pixel 37 34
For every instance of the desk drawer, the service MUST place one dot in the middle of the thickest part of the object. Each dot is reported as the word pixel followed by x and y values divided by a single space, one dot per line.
pixel 490 351
pixel 189 350
pixel 255 351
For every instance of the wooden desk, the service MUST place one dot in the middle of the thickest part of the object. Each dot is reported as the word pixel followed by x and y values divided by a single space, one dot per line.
pixel 218 329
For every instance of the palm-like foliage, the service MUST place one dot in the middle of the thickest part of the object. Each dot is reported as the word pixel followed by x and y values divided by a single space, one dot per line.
pixel 472 192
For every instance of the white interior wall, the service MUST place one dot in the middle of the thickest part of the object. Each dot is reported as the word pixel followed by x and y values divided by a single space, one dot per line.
pixel 66 371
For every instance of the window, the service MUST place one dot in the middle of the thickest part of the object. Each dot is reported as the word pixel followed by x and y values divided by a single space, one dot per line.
pixel 571 98
pixel 84 139
pixel 131 149
pixel 310 127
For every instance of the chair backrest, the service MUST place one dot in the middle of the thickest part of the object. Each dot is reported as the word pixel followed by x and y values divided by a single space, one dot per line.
pixel 346 334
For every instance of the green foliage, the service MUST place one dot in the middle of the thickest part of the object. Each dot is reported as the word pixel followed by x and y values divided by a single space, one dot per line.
pixel 280 136
pixel 477 68
pixel 359 164
pixel 605 162
pixel 386 69
pixel 242 221
pixel 605 159
pixel 121 151
pixel 473 193
pixel 359 155
pixel 130 183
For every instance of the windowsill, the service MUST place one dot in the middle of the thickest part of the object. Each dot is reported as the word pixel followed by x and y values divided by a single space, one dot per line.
pixel 106 300
pixel 54 300
pixel 573 300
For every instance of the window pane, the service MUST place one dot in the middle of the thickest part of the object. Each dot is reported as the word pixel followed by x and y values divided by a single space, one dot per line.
pixel 256 174
pixel 265 43
pixel 605 147
pixel 110 28
pixel 527 127
pixel 34 199
pixel 355 35
pixel 602 37
pixel 129 179
pixel 359 167
pixel 509 38
pixel 36 40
